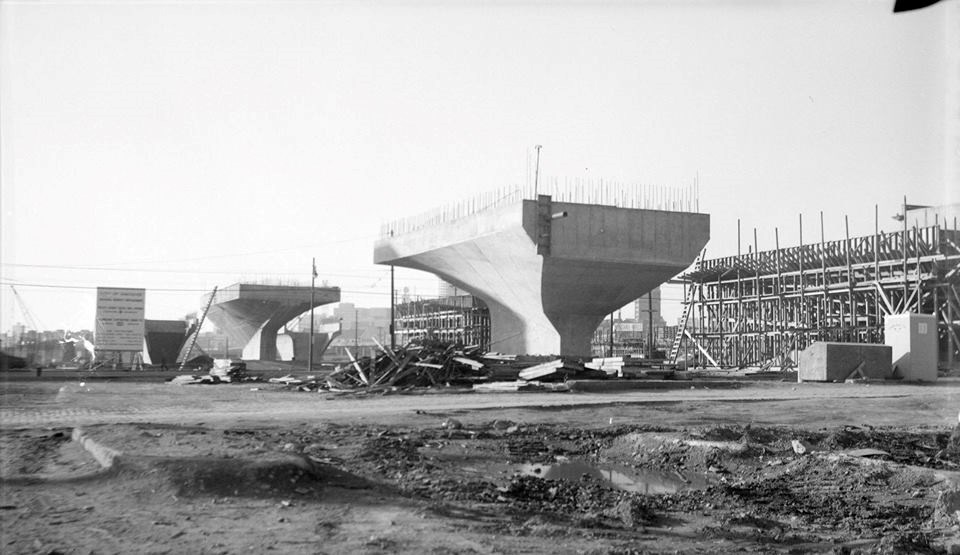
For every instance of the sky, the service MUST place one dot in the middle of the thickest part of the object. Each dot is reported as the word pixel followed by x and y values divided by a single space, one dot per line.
pixel 177 146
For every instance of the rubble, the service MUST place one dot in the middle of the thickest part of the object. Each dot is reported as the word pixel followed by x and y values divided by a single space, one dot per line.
pixel 429 363
pixel 286 380
pixel 520 385
pixel 947 507
pixel 230 371
pixel 221 371
pixel 800 446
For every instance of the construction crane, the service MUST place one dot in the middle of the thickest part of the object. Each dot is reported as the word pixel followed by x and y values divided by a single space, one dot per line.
pixel 27 314
pixel 31 324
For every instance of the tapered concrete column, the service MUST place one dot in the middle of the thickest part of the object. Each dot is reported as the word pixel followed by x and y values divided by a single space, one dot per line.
pixel 551 271
pixel 252 314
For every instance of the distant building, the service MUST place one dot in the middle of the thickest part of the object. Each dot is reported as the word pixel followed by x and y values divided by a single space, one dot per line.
pixel 445 289
pixel 462 319
pixel 629 338
pixel 17 332
pixel 360 329
pixel 642 308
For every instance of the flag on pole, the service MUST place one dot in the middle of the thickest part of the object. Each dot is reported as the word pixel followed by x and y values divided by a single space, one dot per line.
pixel 315 268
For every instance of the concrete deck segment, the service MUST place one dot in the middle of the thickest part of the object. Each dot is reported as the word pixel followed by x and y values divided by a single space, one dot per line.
pixel 251 314
pixel 549 282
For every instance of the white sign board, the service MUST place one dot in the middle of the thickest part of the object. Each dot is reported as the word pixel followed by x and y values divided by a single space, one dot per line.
pixel 119 325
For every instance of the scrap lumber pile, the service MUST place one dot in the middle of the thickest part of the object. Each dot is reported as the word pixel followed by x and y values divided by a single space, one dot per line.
pixel 429 363
pixel 418 364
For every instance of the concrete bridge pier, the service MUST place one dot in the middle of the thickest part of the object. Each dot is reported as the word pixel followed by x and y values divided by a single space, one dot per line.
pixel 551 271
pixel 252 314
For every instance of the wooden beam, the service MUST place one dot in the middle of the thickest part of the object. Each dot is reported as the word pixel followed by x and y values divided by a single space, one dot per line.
pixel 702 350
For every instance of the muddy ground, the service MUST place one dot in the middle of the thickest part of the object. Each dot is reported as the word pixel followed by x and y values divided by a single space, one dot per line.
pixel 640 475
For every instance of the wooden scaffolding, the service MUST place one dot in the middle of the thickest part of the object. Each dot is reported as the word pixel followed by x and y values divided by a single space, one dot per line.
pixel 762 308
pixel 462 319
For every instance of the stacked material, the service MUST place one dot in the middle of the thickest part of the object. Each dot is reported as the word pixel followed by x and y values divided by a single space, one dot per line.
pixel 229 370
pixel 629 366
pixel 558 369
pixel 222 371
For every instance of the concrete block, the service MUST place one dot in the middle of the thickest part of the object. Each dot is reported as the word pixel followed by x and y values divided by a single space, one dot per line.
pixel 913 338
pixel 830 362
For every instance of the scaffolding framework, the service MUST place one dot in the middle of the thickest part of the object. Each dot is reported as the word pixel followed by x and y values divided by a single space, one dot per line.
pixel 462 319
pixel 762 308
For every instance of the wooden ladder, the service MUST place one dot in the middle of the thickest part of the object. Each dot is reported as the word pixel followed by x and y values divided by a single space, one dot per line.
pixel 687 306
pixel 196 333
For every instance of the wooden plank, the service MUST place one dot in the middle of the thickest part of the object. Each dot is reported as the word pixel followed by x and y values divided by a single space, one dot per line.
pixel 702 350
pixel 428 365
pixel 476 365
pixel 389 352
pixel 395 373
pixel 498 386
pixel 498 356
pixel 357 366
pixel 541 370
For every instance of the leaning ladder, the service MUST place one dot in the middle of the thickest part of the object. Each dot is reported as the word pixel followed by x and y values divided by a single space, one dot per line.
pixel 687 305
pixel 196 333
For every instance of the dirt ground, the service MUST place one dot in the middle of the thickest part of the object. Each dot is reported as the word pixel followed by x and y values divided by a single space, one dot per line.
pixel 243 468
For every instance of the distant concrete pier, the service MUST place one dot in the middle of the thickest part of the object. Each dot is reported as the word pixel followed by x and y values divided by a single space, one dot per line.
pixel 252 314
pixel 549 271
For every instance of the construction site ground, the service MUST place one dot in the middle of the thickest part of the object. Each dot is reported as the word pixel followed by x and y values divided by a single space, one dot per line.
pixel 680 467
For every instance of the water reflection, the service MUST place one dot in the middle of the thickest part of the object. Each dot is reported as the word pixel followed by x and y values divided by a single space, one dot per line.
pixel 628 479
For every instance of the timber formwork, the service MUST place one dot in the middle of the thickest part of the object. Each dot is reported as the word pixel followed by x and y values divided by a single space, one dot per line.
pixel 462 319
pixel 762 308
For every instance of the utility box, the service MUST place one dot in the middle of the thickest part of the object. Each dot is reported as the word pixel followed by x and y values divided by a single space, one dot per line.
pixel 825 361
pixel 913 338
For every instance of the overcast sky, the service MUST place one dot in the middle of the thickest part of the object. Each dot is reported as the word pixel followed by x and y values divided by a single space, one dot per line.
pixel 180 145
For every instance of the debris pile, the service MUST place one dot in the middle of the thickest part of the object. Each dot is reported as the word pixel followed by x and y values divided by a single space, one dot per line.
pixel 429 363
pixel 222 371
pixel 418 364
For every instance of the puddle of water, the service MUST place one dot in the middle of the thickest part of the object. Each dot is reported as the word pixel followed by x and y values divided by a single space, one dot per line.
pixel 628 479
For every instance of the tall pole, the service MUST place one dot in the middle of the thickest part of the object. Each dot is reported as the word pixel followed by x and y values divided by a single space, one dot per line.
pixel 850 301
pixel 611 335
pixel 904 245
pixel 393 336
pixel 313 281
pixel 536 174
pixel 740 316
pixel 356 330
pixel 825 307
pixel 877 322
pixel 804 316
pixel 650 320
